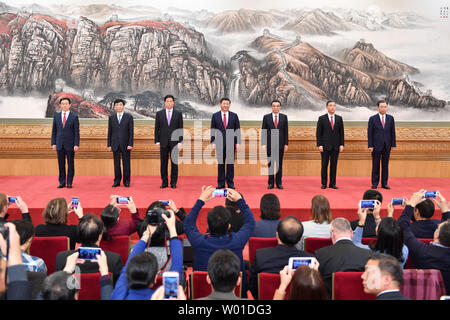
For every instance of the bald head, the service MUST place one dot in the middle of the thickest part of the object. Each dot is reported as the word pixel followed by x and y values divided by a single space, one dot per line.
pixel 290 231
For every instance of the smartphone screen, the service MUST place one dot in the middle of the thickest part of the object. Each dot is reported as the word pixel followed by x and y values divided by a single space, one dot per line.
pixel 300 262
pixel 74 202
pixel 397 201
pixel 123 200
pixel 12 199
pixel 222 193
pixel 430 194
pixel 170 286
pixel 367 204
pixel 87 253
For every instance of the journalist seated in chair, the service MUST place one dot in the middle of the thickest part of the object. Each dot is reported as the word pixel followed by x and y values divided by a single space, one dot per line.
pixel 383 277
pixel 270 217
pixel 55 216
pixel 138 277
pixel 91 232
pixel 114 226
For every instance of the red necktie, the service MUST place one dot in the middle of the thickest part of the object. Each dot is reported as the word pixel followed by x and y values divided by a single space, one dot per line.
pixel 382 121
pixel 224 120
pixel 276 121
pixel 64 120
pixel 332 124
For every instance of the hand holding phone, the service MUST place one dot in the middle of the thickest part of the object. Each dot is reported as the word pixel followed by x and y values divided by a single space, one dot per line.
pixel 123 200
pixel 88 253
pixel 295 262
pixel 170 283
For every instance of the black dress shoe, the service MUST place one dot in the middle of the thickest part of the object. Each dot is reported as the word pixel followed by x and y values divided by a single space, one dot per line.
pixel 374 187
pixel 270 186
pixel 334 187
pixel 126 185
pixel 386 187
pixel 61 186
pixel 163 186
pixel 115 185
pixel 173 186
pixel 280 186
pixel 69 186
pixel 323 187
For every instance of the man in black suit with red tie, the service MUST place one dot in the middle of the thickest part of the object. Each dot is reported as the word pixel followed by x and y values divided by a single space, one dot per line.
pixel 225 138
pixel 275 127
pixel 330 140
pixel 169 139
pixel 120 142
pixel 66 141
pixel 381 139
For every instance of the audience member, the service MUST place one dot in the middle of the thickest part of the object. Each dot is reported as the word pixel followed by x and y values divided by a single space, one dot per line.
pixel 111 219
pixel 159 294
pixel 383 277
pixel 306 284
pixel 4 205
pixel 343 255
pixel 423 226
pixel 25 229
pixel 373 215
pixel 319 226
pixel 273 259
pixel 236 220
pixel 11 265
pixel 224 275
pixel 389 238
pixel 270 216
pixel 436 255
pixel 219 237
pixel 138 277
pixel 55 217
pixel 90 234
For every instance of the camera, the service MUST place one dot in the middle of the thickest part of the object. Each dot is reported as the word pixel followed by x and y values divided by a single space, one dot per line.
pixel 296 262
pixel 123 200
pixel 397 201
pixel 154 217
pixel 87 253
pixel 219 193
pixel 430 194
pixel 367 204
pixel 4 231
pixel 12 199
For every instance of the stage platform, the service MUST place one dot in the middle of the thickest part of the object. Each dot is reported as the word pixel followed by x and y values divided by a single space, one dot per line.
pixel 94 193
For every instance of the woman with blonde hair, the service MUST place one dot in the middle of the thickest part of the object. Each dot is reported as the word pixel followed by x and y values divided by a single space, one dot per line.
pixel 55 217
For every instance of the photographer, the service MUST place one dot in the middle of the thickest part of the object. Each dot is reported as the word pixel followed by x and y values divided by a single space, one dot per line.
pixel 373 215
pixel 137 279
pixel 219 237
pixel 111 219
pixel 11 267
pixel 4 205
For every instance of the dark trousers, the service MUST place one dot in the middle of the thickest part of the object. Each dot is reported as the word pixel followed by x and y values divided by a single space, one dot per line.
pixel 222 162
pixel 62 155
pixel 125 155
pixel 384 157
pixel 329 157
pixel 277 163
pixel 164 154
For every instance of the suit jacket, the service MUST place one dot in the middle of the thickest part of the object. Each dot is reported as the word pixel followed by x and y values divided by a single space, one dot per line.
pixel 232 123
pixel 342 256
pixel 215 295
pixel 163 132
pixel 377 136
pixel 269 125
pixel 330 139
pixel 394 295
pixel 272 260
pixel 114 263
pixel 120 136
pixel 67 137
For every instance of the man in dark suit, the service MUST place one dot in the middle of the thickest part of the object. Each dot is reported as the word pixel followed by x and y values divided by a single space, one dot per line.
pixel 343 255
pixel 120 142
pixel 273 259
pixel 381 139
pixel 90 233
pixel 275 123
pixel 225 137
pixel 383 277
pixel 66 141
pixel 169 138
pixel 330 140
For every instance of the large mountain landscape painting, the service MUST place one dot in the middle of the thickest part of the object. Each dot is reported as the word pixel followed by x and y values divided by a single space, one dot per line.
pixel 302 56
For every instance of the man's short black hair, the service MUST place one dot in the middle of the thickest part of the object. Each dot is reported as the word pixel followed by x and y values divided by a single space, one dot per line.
pixel 141 270
pixel 225 99
pixel 330 101
pixel 274 101
pixel 425 208
pixel 25 229
pixel 390 265
pixel 118 101
pixel 444 233
pixel 90 228
pixel 290 230
pixel 380 102
pixel 224 269
pixel 371 194
pixel 65 98
pixel 218 220
pixel 60 286
pixel 169 96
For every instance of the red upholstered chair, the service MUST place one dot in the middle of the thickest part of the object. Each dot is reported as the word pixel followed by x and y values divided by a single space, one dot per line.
pixel 47 248
pixel 267 284
pixel 366 241
pixel 118 244
pixel 89 286
pixel 200 288
pixel 408 264
pixel 258 243
pixel 159 281
pixel 349 286
pixel 313 244
pixel 422 284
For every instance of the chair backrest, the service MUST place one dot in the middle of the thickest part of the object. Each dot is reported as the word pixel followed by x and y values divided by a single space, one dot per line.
pixel 118 244
pixel 313 244
pixel 89 286
pixel 255 243
pixel 423 284
pixel 408 264
pixel 200 288
pixel 267 284
pixel 366 241
pixel 349 286
pixel 47 248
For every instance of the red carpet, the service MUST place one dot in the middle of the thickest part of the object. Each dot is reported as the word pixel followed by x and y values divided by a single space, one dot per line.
pixel 94 193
